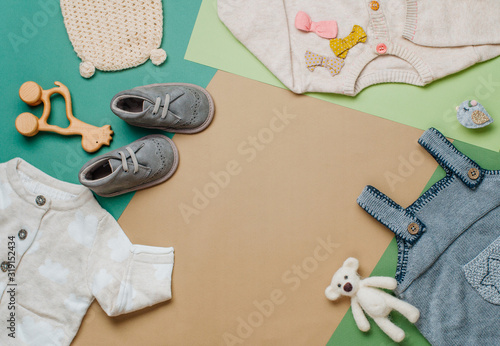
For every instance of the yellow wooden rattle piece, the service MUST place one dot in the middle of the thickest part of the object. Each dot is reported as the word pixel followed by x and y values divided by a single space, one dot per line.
pixel 27 124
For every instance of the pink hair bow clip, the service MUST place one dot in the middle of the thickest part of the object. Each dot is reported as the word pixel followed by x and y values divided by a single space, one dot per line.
pixel 325 29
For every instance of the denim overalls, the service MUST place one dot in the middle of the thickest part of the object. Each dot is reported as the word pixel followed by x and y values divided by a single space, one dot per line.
pixel 448 248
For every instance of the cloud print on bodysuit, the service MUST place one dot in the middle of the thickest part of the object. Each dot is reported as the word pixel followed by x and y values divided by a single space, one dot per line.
pixel 76 304
pixel 120 248
pixel 163 271
pixel 83 229
pixel 54 271
pixel 101 280
pixel 42 332
pixel 5 191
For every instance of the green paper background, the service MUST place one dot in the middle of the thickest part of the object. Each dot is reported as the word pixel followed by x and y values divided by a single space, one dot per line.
pixel 347 333
pixel 36 47
pixel 422 107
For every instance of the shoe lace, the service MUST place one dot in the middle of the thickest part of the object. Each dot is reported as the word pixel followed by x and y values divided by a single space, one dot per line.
pixel 165 106
pixel 132 156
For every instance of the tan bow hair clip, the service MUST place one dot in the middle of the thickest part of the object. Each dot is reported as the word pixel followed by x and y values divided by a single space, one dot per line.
pixel 333 64
pixel 27 124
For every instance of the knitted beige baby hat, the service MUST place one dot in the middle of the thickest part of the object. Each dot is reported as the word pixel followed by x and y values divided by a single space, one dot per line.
pixel 113 35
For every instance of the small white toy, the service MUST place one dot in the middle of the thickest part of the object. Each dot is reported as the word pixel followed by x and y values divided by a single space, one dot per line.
pixel 366 298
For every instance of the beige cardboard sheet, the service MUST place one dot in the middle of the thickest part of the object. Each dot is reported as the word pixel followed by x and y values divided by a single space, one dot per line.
pixel 261 212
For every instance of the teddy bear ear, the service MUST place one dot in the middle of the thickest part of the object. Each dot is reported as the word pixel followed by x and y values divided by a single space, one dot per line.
pixel 331 293
pixel 351 263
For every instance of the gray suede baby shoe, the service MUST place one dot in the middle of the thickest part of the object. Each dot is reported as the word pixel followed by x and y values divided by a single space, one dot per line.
pixel 143 163
pixel 171 107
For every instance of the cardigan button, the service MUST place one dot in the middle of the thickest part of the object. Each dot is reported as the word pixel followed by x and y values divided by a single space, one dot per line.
pixel 22 234
pixel 4 266
pixel 413 228
pixel 40 200
pixel 374 5
pixel 381 48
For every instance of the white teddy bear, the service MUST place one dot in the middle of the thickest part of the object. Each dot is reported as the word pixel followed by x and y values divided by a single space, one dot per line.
pixel 366 297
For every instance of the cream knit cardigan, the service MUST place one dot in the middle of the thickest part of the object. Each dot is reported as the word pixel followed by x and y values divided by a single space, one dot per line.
pixel 408 41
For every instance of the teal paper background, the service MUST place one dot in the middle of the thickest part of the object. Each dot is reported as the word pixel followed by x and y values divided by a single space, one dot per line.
pixel 36 47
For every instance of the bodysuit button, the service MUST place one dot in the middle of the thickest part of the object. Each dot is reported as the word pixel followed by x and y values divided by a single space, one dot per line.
pixel 22 234
pixel 374 5
pixel 381 48
pixel 40 200
pixel 473 173
pixel 413 228
pixel 4 266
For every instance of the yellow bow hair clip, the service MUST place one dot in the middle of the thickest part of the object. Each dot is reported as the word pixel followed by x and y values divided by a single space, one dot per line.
pixel 341 46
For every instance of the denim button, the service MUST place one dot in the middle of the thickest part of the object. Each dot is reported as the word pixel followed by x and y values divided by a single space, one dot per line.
pixel 40 200
pixel 413 228
pixel 374 5
pixel 22 234
pixel 4 266
pixel 473 173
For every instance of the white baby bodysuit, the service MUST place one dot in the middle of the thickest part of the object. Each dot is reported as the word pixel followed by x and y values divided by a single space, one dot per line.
pixel 58 251
pixel 407 41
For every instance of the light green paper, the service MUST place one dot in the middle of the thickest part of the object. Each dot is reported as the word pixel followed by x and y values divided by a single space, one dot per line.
pixel 212 44
pixel 422 107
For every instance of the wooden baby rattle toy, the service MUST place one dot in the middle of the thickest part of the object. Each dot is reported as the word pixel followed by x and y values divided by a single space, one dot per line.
pixel 93 138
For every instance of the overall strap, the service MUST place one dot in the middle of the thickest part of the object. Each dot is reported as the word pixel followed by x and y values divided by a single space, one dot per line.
pixel 452 160
pixel 402 222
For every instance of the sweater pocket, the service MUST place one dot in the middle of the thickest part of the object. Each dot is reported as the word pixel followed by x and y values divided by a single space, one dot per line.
pixel 483 273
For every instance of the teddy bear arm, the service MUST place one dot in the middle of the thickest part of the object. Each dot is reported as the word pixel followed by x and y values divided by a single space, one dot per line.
pixel 381 282
pixel 359 316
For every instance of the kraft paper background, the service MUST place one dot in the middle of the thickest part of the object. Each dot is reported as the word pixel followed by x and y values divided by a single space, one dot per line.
pixel 288 194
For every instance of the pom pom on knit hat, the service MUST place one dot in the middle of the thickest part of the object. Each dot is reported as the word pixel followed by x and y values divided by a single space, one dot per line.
pixel 158 56
pixel 87 70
